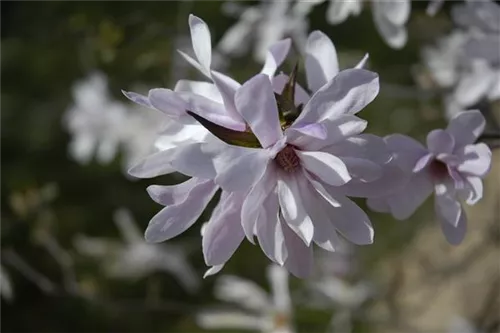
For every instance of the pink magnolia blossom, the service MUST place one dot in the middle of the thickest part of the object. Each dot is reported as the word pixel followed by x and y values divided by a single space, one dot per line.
pixel 451 168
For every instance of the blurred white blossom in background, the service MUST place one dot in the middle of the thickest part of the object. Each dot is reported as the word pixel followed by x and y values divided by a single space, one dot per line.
pixel 6 290
pixel 100 126
pixel 466 63
pixel 134 258
pixel 259 311
pixel 389 16
pixel 261 26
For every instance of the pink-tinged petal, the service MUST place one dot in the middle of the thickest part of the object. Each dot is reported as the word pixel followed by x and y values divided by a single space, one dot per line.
pixel 347 93
pixel 393 32
pixel 448 207
pixel 466 127
pixel 392 180
pixel 275 56
pixel 279 81
pixel 423 162
pixel 379 205
pixel 137 98
pixel 292 208
pixel 337 130
pixel 154 165
pixel 167 195
pixel 256 103
pixel 407 151
pixel 475 160
pixel 174 220
pixel 268 230
pixel 339 11
pixel 440 142
pixel 404 203
pixel 192 160
pixel 213 270
pixel 201 40
pixel 168 102
pixel 362 62
pixel 351 221
pixel 321 60
pixel 326 167
pixel 227 88
pixel 473 191
pixel 244 171
pixel 454 235
pixel 367 146
pixel 223 233
pixel 362 169
pixel 205 89
pixel 253 204
pixel 212 111
pixel 300 256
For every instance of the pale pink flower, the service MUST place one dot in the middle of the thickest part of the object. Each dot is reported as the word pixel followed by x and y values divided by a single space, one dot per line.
pixel 451 167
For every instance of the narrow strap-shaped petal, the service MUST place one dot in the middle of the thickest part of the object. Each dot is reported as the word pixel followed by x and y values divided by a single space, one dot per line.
pixel 154 165
pixel 174 220
pixel 205 89
pixel 268 229
pixel 454 235
pixel 201 40
pixel 339 11
pixel 321 60
pixel 347 93
pixel 256 103
pixel 292 208
pixel 300 256
pixel 326 167
pixel 448 208
pixel 223 233
pixel 275 56
pixel 167 195
pixel 227 88
pixel 168 102
pixel 137 98
pixel 390 28
pixel 404 203
pixel 407 151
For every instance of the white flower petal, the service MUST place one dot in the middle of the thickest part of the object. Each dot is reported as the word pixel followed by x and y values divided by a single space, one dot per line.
pixel 137 98
pixel 154 165
pixel 205 89
pixel 448 208
pixel 362 62
pixel 292 209
pixel 407 151
pixel 244 171
pixel 466 127
pixel 454 235
pixel 254 201
pixel 213 270
pixel 327 167
pixel 173 220
pixel 223 233
pixel 473 190
pixel 246 293
pixel 227 88
pixel 362 169
pixel 321 60
pixel 173 194
pixel 347 93
pixel 475 160
pixel 440 142
pixel 256 103
pixel 202 44
pixel 268 229
pixel 275 56
pixel 168 102
pixel 192 160
pixel 404 203
pixel 300 257
pixel 394 33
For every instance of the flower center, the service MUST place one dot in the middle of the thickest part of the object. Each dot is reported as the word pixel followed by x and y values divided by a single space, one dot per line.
pixel 438 169
pixel 287 159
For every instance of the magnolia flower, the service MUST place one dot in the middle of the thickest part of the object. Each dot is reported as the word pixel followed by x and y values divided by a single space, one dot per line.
pixel 265 24
pixel 134 258
pixel 101 126
pixel 258 147
pixel 451 167
pixel 260 312
pixel 6 290
pixel 390 17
